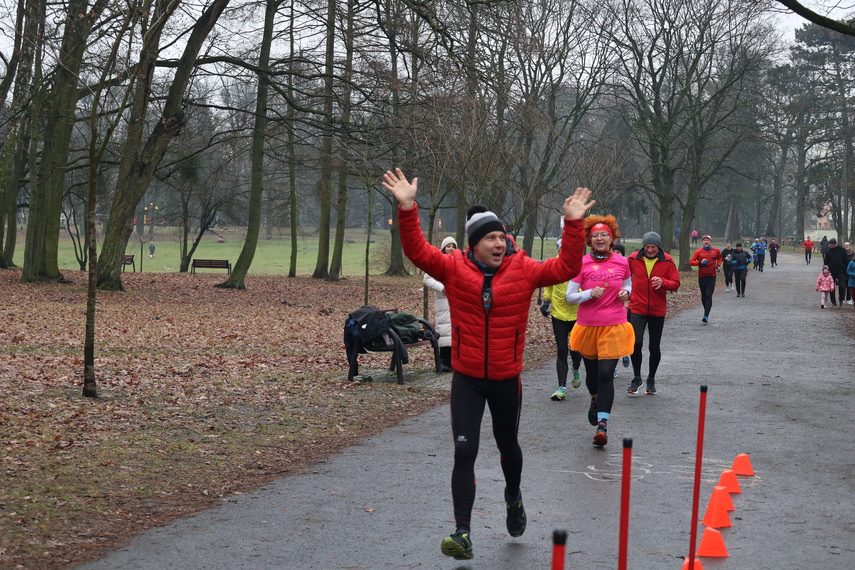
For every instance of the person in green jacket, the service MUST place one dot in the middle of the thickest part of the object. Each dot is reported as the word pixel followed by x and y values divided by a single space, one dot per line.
pixel 563 319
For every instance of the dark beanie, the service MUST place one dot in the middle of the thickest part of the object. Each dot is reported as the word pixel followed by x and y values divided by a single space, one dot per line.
pixel 832 240
pixel 480 223
pixel 651 237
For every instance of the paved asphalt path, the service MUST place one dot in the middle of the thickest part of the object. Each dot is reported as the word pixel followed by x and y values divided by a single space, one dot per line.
pixel 780 375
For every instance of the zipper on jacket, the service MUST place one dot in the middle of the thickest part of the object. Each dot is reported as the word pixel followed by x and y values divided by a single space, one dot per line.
pixel 487 303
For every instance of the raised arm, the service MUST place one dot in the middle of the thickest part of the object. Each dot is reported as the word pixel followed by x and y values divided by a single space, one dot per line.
pixel 576 205
pixel 403 191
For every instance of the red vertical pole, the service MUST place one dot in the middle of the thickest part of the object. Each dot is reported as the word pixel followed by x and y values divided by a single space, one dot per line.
pixel 624 502
pixel 693 534
pixel 559 539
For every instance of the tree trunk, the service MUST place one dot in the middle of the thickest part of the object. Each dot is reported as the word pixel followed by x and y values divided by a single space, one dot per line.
pixel 241 268
pixel 139 161
pixel 325 183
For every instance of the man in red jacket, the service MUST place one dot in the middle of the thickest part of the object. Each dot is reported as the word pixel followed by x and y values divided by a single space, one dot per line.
pixel 708 261
pixel 653 274
pixel 489 296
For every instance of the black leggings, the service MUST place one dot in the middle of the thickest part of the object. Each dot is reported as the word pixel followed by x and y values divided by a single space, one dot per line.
pixel 707 285
pixel 468 396
pixel 655 326
pixel 739 277
pixel 600 381
pixel 562 329
pixel 728 274
pixel 808 253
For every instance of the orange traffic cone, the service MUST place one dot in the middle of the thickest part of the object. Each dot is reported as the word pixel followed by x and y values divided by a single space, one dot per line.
pixel 716 516
pixel 721 495
pixel 728 479
pixel 742 465
pixel 712 544
pixel 697 565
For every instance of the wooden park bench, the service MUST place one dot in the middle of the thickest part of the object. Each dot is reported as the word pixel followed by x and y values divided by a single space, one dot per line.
pixel 427 334
pixel 211 264
pixel 128 260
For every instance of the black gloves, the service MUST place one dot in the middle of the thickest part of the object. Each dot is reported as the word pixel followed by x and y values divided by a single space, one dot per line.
pixel 544 308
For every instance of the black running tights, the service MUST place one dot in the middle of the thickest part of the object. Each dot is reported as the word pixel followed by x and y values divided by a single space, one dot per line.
pixel 561 330
pixel 655 326
pixel 468 397
pixel 707 286
pixel 600 381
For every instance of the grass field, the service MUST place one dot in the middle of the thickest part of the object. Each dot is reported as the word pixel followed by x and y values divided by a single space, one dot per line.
pixel 272 256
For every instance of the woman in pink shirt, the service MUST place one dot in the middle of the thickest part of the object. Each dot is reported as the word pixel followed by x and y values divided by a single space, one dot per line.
pixel 602 333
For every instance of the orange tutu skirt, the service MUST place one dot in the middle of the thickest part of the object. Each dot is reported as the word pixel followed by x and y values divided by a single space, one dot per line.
pixel 603 343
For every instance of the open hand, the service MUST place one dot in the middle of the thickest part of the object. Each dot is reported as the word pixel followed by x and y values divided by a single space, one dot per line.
pixel 576 205
pixel 403 191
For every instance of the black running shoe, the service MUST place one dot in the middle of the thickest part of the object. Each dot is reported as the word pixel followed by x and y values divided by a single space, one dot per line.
pixel 651 387
pixel 458 546
pixel 592 412
pixel 516 518
pixel 635 386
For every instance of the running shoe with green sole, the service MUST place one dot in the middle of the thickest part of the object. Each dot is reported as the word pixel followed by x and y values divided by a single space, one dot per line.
pixel 577 379
pixel 560 393
pixel 516 518
pixel 458 546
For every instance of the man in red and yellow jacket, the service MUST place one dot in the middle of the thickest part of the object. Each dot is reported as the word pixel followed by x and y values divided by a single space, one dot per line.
pixel 708 261
pixel 653 275
pixel 489 296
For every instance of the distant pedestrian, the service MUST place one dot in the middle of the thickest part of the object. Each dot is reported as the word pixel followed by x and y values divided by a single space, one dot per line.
pixel 602 333
pixel 708 261
pixel 837 260
pixel 740 258
pixel 694 236
pixel 808 246
pixel 151 250
pixel 825 286
pixel 727 266
pixel 563 318
pixel 773 252
pixel 759 249
pixel 442 315
pixel 823 245
pixel 653 275
pixel 850 255
pixel 850 272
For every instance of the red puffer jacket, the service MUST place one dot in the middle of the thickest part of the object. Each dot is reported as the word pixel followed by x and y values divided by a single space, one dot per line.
pixel 490 345
pixel 645 300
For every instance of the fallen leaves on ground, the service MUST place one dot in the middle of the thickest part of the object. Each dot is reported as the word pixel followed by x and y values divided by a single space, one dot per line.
pixel 203 393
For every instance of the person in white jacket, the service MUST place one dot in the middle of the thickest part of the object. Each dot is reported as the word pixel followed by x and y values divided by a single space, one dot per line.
pixel 440 306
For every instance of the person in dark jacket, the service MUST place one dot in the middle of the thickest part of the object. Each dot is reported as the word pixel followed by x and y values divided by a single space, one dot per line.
pixel 773 252
pixel 837 260
pixel 653 275
pixel 727 266
pixel 489 295
pixel 741 258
